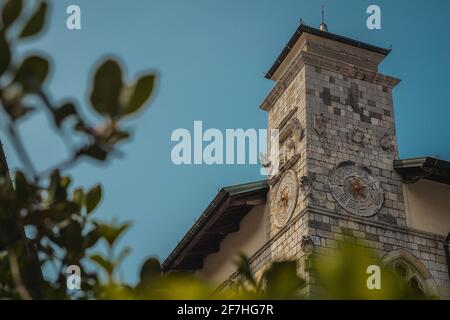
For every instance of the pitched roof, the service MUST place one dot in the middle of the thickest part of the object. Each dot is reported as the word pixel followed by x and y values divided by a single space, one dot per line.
pixel 324 34
pixel 221 217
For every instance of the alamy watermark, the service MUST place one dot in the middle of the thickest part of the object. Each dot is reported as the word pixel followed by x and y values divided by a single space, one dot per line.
pixel 374 20
pixel 73 281
pixel 374 280
pixel 73 21
pixel 233 146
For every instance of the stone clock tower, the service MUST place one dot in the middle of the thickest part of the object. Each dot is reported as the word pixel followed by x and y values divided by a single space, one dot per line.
pixel 336 175
pixel 337 143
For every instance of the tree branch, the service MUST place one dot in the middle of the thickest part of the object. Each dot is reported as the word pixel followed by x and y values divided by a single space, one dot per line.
pixel 15 272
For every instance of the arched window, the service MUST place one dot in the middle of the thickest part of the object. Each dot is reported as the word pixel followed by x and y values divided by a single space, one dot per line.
pixel 407 272
pixel 412 270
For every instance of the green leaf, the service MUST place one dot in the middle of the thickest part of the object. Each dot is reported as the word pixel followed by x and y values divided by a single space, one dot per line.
pixel 151 270
pixel 11 10
pixel 71 237
pixel 32 73
pixel 122 255
pixel 91 238
pixel 5 56
pixel 111 232
pixel 78 197
pixel 93 198
pixel 106 90
pixel 93 151
pixel 61 211
pixel 282 281
pixel 141 92
pixel 55 181
pixel 35 23
pixel 104 263
pixel 65 182
pixel 57 189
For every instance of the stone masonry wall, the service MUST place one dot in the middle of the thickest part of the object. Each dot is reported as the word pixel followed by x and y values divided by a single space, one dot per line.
pixel 345 113
pixel 328 228
pixel 290 104
pixel 350 107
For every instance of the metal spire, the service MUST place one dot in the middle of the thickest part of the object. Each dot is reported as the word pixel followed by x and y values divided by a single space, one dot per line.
pixel 323 25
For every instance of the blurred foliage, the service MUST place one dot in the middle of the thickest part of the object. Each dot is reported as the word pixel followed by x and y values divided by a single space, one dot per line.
pixel 279 281
pixel 343 274
pixel 46 224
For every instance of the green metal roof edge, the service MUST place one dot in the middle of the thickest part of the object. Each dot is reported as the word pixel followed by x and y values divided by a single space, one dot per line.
pixel 246 187
pixel 218 200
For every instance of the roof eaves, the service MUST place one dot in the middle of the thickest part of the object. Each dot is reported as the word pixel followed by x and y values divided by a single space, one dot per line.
pixel 304 28
pixel 429 168
pixel 223 197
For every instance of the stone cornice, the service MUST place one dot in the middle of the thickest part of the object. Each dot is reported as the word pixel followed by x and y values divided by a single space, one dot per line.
pixel 285 167
pixel 287 118
pixel 377 224
pixel 283 83
pixel 315 60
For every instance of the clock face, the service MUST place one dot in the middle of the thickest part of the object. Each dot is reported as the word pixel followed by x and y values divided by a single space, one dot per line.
pixel 285 199
pixel 355 189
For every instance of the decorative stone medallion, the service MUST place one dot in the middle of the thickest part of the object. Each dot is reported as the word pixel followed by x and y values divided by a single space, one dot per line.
pixel 293 130
pixel 307 245
pixel 357 136
pixel 286 198
pixel 290 144
pixel 386 143
pixel 319 124
pixel 355 189
pixel 305 185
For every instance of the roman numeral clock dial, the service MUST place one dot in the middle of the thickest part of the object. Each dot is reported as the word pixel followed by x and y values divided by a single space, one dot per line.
pixel 355 189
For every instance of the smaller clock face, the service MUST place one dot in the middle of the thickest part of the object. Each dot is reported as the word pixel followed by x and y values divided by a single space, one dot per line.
pixel 356 190
pixel 285 199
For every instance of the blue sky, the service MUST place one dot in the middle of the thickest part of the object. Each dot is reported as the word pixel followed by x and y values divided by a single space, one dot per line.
pixel 211 56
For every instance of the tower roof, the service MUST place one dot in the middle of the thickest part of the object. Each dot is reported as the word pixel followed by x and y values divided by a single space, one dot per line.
pixel 324 34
